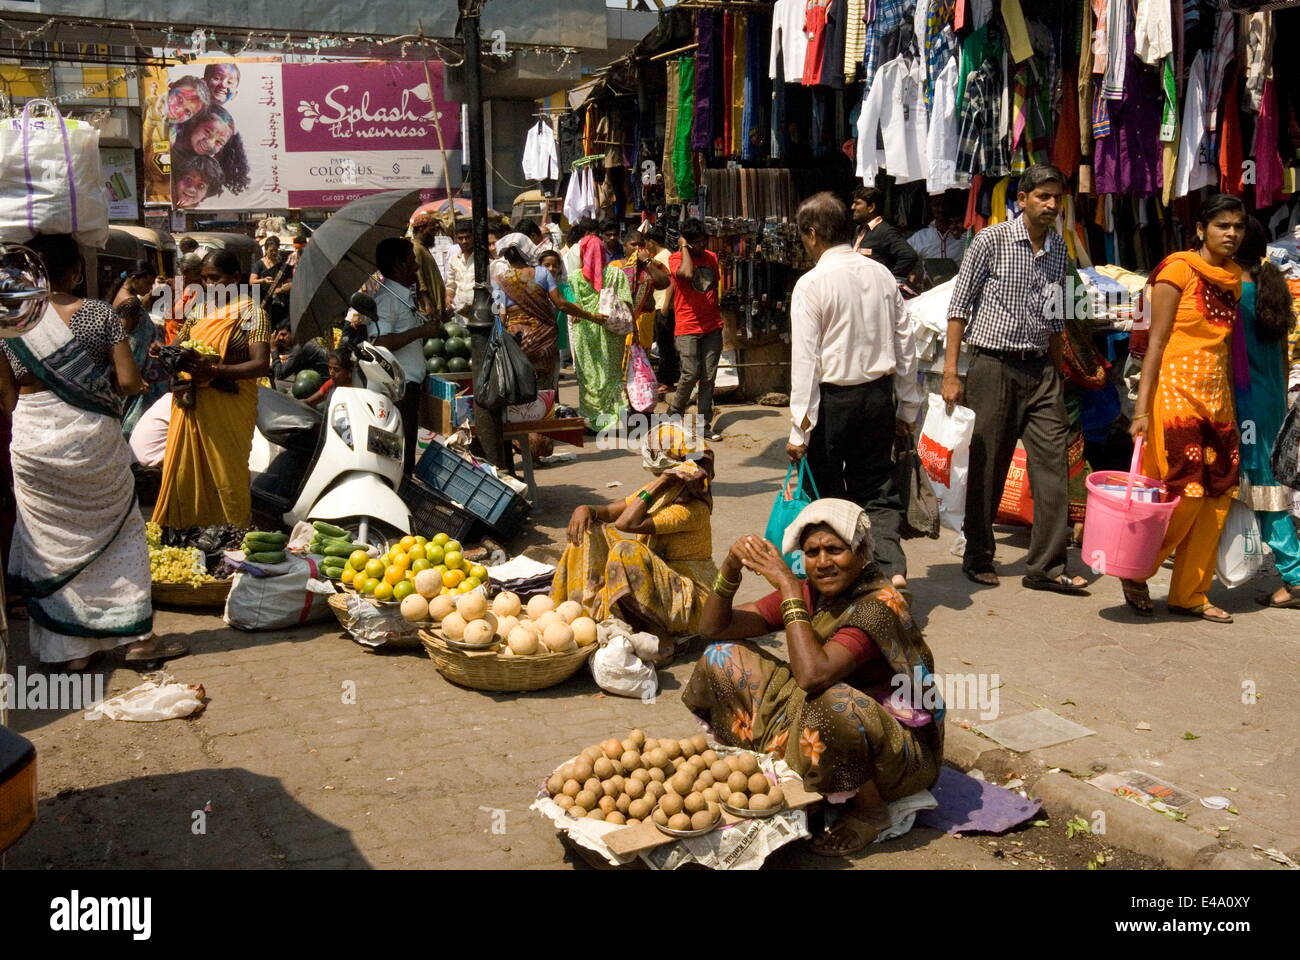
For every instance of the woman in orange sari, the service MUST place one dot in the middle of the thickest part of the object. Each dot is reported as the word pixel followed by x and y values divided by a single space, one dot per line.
pixel 1185 404
pixel 205 474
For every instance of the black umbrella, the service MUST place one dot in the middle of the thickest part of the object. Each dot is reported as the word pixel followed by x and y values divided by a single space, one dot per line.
pixel 341 257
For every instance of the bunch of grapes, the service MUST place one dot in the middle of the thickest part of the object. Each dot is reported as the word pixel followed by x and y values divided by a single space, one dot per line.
pixel 153 535
pixel 200 347
pixel 178 565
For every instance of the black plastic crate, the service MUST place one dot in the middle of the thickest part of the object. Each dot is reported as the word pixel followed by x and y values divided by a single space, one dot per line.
pixel 432 513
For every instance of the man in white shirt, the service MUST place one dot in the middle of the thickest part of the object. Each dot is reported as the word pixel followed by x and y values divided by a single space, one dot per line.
pixel 852 354
pixel 403 329
pixel 459 280
pixel 944 238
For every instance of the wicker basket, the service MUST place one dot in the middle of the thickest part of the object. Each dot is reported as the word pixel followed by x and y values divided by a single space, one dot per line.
pixel 339 604
pixel 487 670
pixel 207 595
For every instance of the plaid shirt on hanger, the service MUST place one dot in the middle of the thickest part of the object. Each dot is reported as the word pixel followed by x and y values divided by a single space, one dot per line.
pixel 980 148
pixel 889 16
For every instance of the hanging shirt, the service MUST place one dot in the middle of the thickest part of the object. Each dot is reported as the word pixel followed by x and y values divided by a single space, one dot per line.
pixel 1153 30
pixel 895 108
pixel 1259 57
pixel 1193 170
pixel 941 138
pixel 855 38
pixel 540 161
pixel 930 244
pixel 890 15
pixel 980 148
pixel 1117 35
pixel 824 29
pixel 1128 160
pixel 934 34
pixel 789 42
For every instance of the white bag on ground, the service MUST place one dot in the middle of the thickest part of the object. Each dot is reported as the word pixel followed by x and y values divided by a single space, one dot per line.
pixel 291 594
pixel 159 698
pixel 50 177
pixel 1241 548
pixel 944 449
pixel 618 670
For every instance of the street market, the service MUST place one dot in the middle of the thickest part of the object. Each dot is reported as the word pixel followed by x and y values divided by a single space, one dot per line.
pixel 864 438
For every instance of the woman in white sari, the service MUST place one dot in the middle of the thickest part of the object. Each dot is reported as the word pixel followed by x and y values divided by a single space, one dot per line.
pixel 79 546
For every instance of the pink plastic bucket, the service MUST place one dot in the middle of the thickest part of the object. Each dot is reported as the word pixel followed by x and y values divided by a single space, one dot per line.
pixel 1121 535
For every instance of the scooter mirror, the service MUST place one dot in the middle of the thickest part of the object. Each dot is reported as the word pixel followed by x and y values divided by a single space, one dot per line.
pixel 364 304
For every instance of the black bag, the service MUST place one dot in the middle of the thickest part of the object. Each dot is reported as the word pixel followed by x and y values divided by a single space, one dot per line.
pixel 1285 460
pixel 508 375
pixel 920 514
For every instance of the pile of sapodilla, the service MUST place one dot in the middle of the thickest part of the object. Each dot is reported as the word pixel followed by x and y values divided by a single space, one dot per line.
pixel 677 783
pixel 541 628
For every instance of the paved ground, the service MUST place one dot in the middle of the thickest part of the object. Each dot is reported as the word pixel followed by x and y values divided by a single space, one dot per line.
pixel 281 771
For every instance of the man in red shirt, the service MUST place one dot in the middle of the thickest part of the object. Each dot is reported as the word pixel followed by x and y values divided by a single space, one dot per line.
pixel 699 323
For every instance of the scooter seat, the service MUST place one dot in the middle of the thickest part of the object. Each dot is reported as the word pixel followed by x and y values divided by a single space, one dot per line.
pixel 287 422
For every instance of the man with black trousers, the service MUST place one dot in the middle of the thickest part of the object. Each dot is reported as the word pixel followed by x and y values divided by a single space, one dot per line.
pixel 853 387
pixel 403 329
pixel 1011 275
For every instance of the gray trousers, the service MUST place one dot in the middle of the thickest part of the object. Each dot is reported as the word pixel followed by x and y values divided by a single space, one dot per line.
pixel 1018 399
pixel 699 353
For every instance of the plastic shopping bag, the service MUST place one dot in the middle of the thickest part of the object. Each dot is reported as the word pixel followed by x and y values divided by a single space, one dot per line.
pixel 642 384
pixel 1285 459
pixel 785 510
pixel 50 177
pixel 1241 548
pixel 619 315
pixel 944 449
pixel 281 595
pixel 510 377
pixel 618 669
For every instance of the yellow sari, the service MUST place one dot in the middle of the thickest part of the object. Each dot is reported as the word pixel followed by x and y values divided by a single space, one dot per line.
pixel 205 477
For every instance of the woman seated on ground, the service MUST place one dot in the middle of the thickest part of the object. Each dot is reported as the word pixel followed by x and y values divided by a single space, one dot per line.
pixel 647 560
pixel 340 369
pixel 836 712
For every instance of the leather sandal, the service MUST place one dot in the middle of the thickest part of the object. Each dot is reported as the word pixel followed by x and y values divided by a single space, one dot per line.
pixel 1138 597
pixel 985 578
pixel 1061 584
pixel 1292 604
pixel 1201 613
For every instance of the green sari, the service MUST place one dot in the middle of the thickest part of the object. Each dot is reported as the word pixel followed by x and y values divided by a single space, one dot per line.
pixel 598 354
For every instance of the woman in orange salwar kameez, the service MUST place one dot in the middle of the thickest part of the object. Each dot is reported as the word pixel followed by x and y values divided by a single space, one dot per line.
pixel 205 477
pixel 1185 405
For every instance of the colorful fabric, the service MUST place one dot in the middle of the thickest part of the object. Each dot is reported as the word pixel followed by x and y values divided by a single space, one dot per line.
pixel 598 354
pixel 890 15
pixel 753 127
pixel 79 551
pixel 980 147
pixel 205 477
pixel 1261 404
pixel 843 737
pixel 736 129
pixel 939 42
pixel 671 95
pixel 1192 443
pixel 683 160
pixel 72 359
pixel 1192 539
pixel 144 335
pixel 1128 159
pixel 706 29
pixel 532 321
pixel 1169 112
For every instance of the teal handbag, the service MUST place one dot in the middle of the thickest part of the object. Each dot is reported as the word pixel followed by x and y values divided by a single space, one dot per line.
pixel 785 511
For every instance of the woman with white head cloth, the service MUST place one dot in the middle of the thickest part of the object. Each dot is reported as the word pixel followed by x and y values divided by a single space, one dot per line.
pixel 855 711
pixel 526 297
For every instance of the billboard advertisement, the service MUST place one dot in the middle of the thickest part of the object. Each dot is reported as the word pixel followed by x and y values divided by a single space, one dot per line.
pixel 118 164
pixel 258 134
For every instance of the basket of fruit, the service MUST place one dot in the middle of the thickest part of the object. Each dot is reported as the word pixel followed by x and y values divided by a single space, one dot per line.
pixel 506 648
pixel 180 575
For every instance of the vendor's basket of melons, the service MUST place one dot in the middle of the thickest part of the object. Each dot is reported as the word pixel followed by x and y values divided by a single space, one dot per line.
pixel 505 647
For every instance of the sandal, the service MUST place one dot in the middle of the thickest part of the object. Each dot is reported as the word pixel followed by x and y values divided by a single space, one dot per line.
pixel 863 835
pixel 1138 597
pixel 1292 604
pixel 985 578
pixel 161 650
pixel 1062 584
pixel 1202 612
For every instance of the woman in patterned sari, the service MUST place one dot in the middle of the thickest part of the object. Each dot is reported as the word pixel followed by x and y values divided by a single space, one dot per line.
pixel 79 557
pixel 205 477
pixel 644 277
pixel 598 353
pixel 131 304
pixel 855 712
pixel 647 559
pixel 1185 405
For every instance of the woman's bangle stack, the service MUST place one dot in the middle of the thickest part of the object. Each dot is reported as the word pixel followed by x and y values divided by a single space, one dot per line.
pixel 725 588
pixel 795 610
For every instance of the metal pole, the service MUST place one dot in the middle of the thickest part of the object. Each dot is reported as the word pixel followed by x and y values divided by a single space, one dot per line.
pixel 487 423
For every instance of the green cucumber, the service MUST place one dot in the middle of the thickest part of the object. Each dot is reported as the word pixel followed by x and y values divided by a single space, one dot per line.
pixel 337 533
pixel 262 536
pixel 267 557
pixel 341 550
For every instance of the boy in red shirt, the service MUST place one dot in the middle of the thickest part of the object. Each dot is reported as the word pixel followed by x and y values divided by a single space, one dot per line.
pixel 699 323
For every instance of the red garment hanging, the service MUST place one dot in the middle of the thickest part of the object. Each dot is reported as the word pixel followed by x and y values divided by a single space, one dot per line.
pixel 1065 141
pixel 1231 155
pixel 973 219
pixel 728 29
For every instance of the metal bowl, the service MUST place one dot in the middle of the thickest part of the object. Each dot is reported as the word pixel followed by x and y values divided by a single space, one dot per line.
pixel 686 834
pixel 747 814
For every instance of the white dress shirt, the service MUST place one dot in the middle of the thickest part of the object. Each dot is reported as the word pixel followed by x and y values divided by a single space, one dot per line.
pixel 941 139
pixel 896 108
pixel 933 245
pixel 848 326
pixel 395 307
pixel 789 39
pixel 539 160
pixel 460 279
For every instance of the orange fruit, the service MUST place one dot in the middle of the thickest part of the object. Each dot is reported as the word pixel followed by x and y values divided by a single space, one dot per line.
pixel 440 539
pixel 453 560
pixel 393 574
pixel 406 543
pixel 348 574
pixel 415 553
pixel 451 545
pixel 384 591
pixel 401 561
pixel 368 587
pixel 421 564
pixel 421 540
pixel 358 559
pixel 479 572
pixel 452 578
pixel 374 569
pixel 403 590
pixel 434 553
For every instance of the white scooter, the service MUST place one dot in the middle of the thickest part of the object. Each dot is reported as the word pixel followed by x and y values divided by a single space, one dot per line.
pixel 342 466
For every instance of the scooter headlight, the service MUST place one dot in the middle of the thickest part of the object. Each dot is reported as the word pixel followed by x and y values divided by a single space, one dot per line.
pixel 342 424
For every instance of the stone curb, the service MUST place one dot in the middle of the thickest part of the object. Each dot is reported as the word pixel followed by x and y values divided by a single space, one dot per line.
pixel 1127 824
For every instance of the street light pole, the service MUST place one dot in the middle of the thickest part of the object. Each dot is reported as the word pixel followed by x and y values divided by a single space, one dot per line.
pixel 487 423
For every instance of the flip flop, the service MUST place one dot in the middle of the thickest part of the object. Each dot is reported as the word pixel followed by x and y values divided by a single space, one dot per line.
pixel 1199 613
pixel 974 577
pixel 1293 604
pixel 166 650
pixel 1061 584
pixel 1131 597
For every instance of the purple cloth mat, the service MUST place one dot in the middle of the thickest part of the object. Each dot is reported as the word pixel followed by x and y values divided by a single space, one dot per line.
pixel 967 805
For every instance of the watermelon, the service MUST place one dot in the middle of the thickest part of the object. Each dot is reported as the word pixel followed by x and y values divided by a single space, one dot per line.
pixel 435 365
pixel 306 383
pixel 434 347
pixel 458 347
pixel 453 330
pixel 458 365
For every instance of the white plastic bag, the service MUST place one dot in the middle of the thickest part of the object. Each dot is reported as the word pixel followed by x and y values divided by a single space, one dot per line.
pixel 1241 548
pixel 618 670
pixel 159 698
pixel 50 177
pixel 288 595
pixel 944 449
pixel 619 314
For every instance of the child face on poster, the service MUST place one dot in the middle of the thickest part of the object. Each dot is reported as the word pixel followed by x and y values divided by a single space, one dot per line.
pixel 223 82
pixel 211 133
pixel 195 181
pixel 186 99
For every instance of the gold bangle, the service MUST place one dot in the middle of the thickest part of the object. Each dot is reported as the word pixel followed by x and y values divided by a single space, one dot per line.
pixel 1140 416
pixel 794 602
pixel 724 588
pixel 796 617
